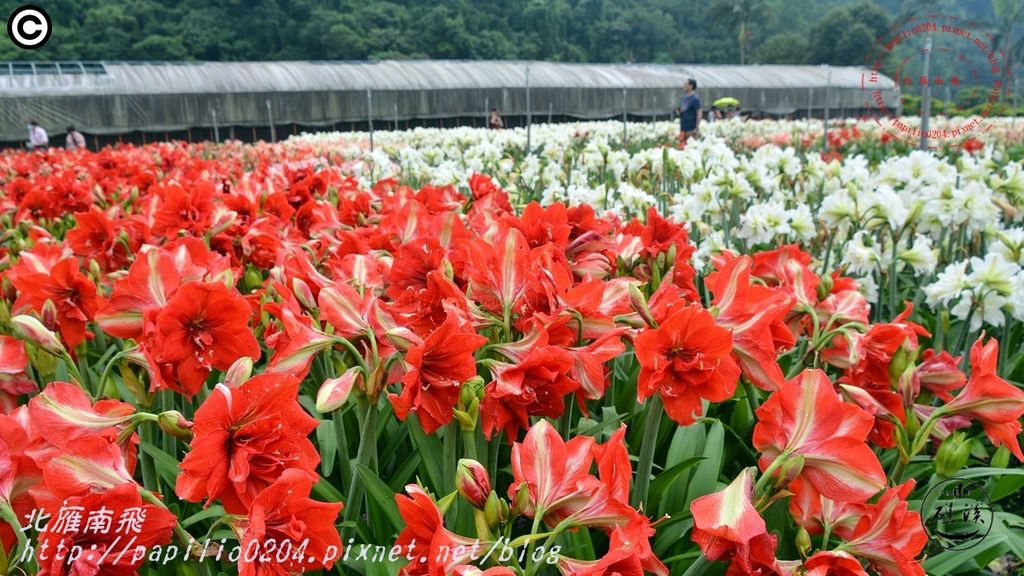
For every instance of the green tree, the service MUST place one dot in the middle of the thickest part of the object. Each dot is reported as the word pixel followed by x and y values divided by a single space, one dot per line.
pixel 846 36
pixel 783 48
pixel 1008 17
pixel 738 16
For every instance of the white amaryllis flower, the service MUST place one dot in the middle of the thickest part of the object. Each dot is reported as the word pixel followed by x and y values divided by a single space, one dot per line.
pixel 988 309
pixel 948 285
pixel 764 222
pixel 993 273
pixel 1010 244
pixel 920 256
pixel 860 257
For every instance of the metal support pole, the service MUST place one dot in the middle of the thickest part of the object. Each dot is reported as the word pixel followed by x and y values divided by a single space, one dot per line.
pixel 529 118
pixel 369 115
pixel 623 115
pixel 551 107
pixel 828 103
pixel 270 117
pixel 1013 123
pixel 926 97
pixel 396 116
pixel 216 129
pixel 810 103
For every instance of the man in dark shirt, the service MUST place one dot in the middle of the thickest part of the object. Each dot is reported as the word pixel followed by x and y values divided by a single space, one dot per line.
pixel 689 111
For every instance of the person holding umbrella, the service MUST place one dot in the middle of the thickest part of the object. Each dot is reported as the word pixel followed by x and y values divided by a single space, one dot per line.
pixel 689 112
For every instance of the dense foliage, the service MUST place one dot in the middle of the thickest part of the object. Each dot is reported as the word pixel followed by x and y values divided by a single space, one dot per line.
pixel 776 31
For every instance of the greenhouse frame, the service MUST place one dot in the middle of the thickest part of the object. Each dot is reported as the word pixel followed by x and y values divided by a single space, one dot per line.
pixel 136 101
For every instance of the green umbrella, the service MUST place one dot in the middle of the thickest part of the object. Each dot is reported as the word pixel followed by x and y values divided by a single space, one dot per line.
pixel 727 101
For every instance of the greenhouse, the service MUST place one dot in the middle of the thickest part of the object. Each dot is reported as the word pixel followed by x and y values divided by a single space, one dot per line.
pixel 140 101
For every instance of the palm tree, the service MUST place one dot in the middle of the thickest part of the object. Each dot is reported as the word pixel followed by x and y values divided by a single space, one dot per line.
pixel 737 15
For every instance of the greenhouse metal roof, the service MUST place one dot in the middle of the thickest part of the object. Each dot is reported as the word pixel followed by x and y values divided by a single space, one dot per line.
pixel 96 78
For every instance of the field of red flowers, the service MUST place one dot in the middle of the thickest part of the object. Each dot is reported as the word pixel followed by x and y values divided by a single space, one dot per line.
pixel 237 359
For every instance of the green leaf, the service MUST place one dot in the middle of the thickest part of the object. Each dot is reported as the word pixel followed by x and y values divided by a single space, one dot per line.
pixel 429 446
pixel 705 477
pixel 404 474
pixel 215 511
pixel 987 472
pixel 685 443
pixel 668 477
pixel 382 496
pixel 166 466
pixel 1003 525
pixel 945 562
pixel 327 442
pixel 1006 486
pixel 325 491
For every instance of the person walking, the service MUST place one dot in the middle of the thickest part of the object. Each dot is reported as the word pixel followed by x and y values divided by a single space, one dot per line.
pixel 37 136
pixel 689 112
pixel 74 140
pixel 495 122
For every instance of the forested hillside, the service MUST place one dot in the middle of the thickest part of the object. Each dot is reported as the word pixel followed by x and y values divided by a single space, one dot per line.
pixel 714 31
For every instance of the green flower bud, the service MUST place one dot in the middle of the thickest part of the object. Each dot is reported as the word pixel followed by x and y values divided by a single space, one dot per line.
pixel 953 454
pixel 803 541
pixel 172 422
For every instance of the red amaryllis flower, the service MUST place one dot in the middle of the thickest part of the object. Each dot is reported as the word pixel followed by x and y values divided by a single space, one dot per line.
pixel 18 473
pixel 833 563
pixel 428 542
pixel 113 529
pixel 497 270
pixel 972 145
pixel 806 418
pixel 888 535
pixel 152 278
pixel 788 266
pixel 84 465
pixel 180 210
pixel 726 526
pixel 437 369
pixel 350 312
pixel 814 512
pixel 72 293
pixel 293 533
pixel 556 475
pixel 940 374
pixel 551 469
pixel 879 347
pixel 92 236
pixel 535 386
pixel 989 399
pixel 686 359
pixel 749 312
pixel 14 380
pixel 204 326
pixel 63 412
pixel 245 438
pixel 621 560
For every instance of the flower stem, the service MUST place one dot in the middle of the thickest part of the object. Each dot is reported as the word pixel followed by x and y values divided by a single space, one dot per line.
pixel 367 447
pixel 7 514
pixel 469 441
pixel 652 424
